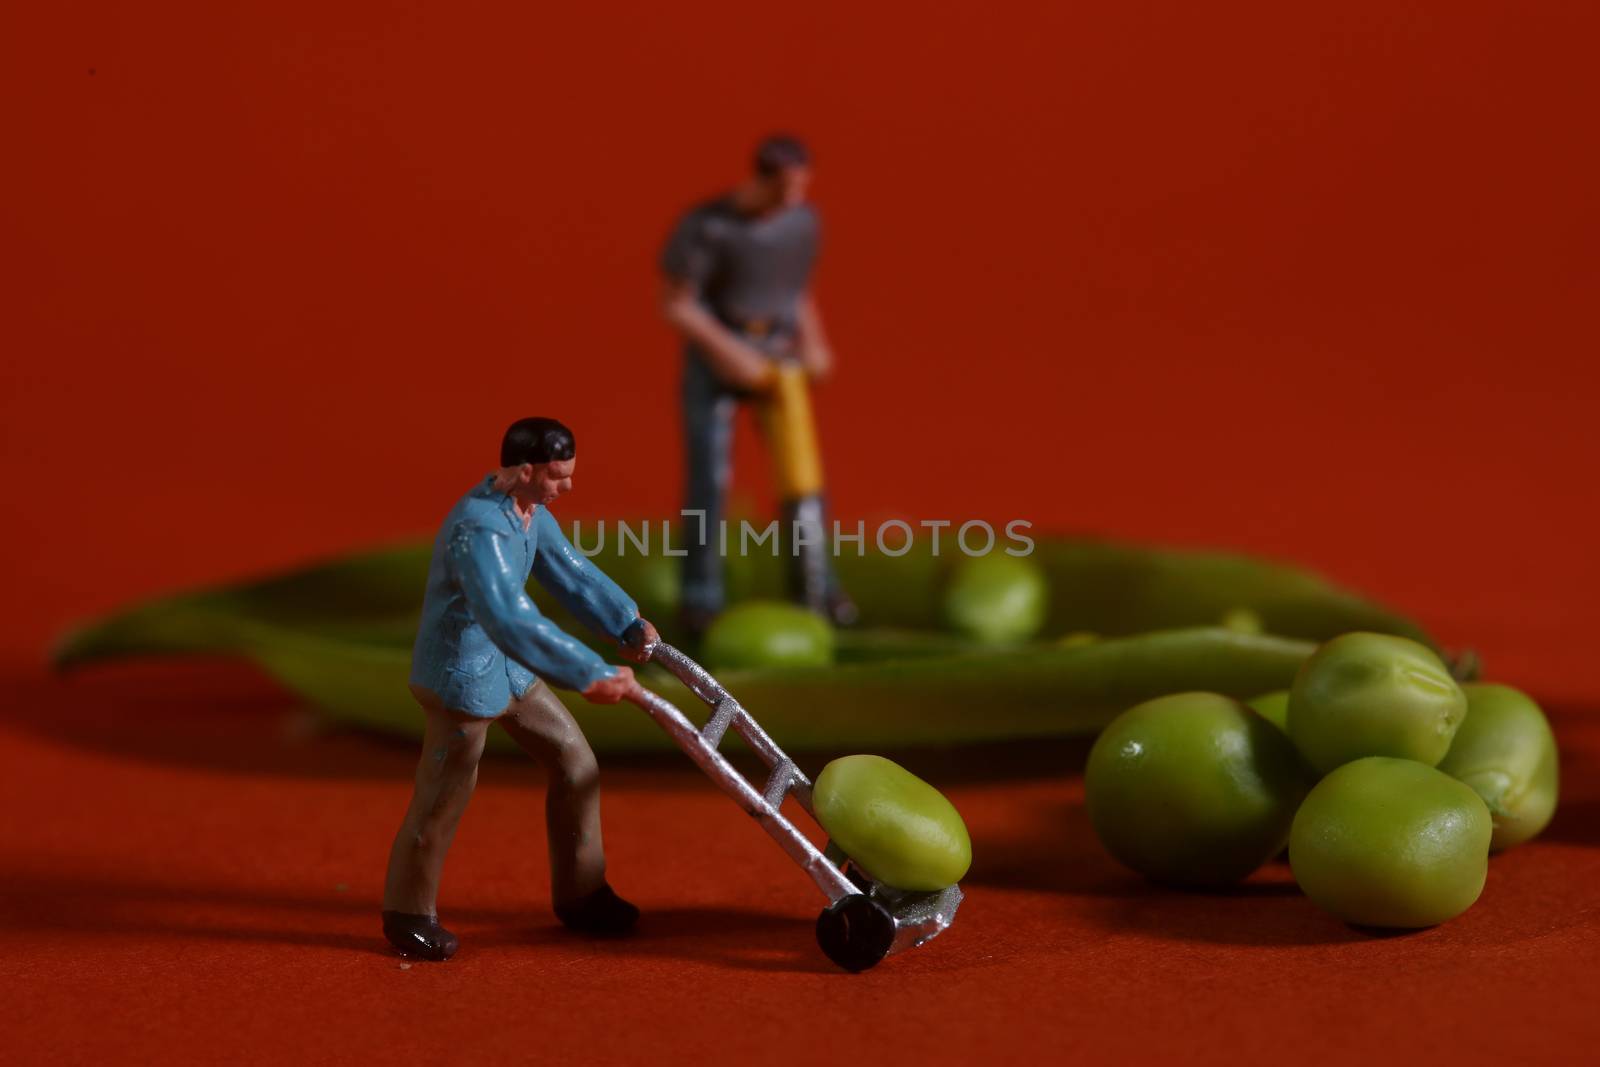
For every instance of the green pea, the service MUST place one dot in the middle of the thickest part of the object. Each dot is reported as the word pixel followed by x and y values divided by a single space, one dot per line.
pixel 997 598
pixel 1364 694
pixel 1274 707
pixel 1242 620
pixel 1506 752
pixel 1193 789
pixel 895 826
pixel 767 633
pixel 1391 842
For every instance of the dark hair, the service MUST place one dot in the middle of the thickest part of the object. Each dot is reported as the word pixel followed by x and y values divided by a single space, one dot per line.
pixel 780 151
pixel 536 440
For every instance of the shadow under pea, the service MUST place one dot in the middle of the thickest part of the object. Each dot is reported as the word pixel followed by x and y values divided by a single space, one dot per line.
pixel 1052 848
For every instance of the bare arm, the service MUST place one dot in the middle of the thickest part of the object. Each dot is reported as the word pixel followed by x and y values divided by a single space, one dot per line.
pixel 732 361
pixel 815 355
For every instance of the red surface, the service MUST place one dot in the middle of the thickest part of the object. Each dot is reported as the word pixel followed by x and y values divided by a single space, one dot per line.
pixel 1317 285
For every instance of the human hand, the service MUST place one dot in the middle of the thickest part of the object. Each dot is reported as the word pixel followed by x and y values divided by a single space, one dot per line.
pixel 750 371
pixel 817 361
pixel 638 639
pixel 611 689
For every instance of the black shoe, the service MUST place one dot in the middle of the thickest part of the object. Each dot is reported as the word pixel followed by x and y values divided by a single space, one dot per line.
pixel 419 937
pixel 601 912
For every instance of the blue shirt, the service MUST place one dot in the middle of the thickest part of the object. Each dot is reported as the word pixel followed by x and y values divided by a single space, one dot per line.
pixel 481 640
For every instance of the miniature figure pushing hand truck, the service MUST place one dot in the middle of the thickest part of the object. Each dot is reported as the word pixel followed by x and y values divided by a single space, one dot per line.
pixel 482 656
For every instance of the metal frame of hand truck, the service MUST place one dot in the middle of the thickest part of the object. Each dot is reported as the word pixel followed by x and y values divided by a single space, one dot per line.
pixel 865 920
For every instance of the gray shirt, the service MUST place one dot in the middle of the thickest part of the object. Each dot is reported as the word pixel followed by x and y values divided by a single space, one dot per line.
pixel 746 267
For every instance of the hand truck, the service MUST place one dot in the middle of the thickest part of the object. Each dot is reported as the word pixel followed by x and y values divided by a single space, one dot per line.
pixel 865 920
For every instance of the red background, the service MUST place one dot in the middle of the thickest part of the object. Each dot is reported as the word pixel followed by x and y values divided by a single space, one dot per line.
pixel 1316 284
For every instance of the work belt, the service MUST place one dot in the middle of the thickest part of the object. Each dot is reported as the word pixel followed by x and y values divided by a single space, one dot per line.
pixel 759 328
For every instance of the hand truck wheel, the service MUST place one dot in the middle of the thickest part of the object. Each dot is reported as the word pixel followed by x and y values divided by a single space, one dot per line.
pixel 855 932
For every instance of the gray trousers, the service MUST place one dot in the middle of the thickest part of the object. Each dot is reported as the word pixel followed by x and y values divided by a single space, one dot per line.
pixel 544 728
pixel 709 407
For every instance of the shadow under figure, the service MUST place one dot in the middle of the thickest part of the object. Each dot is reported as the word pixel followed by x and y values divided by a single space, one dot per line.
pixel 484 654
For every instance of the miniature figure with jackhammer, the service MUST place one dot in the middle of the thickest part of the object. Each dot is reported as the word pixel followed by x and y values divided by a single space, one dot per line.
pixel 738 272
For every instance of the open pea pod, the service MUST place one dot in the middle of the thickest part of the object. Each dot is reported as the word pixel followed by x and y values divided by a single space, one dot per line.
pixel 339 634
pixel 1034 692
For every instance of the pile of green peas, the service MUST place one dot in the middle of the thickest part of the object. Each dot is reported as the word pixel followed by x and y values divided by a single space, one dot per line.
pixel 1389 781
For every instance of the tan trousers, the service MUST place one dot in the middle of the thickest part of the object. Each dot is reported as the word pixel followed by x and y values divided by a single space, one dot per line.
pixel 447 772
